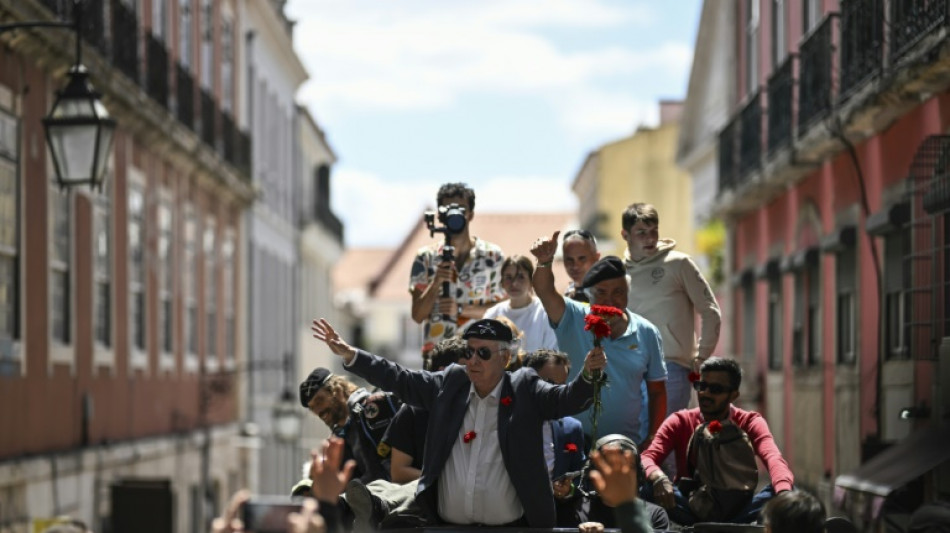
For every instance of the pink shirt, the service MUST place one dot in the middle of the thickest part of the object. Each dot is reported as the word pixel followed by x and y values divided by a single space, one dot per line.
pixel 678 428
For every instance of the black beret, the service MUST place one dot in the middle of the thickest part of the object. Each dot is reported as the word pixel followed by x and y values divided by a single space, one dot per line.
pixel 314 382
pixel 620 441
pixel 610 267
pixel 488 329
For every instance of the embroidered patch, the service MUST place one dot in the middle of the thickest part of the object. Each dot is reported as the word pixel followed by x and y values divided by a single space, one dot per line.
pixel 383 449
pixel 633 346
pixel 371 410
pixel 657 274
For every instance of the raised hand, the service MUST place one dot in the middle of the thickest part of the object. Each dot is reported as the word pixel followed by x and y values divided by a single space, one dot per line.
pixel 230 523
pixel 308 520
pixel 323 331
pixel 615 477
pixel 328 479
pixel 544 249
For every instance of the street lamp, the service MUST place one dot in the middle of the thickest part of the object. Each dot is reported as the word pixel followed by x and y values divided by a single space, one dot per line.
pixel 79 130
pixel 286 417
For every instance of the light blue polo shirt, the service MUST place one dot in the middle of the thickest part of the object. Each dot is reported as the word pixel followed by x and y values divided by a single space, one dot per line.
pixel 635 356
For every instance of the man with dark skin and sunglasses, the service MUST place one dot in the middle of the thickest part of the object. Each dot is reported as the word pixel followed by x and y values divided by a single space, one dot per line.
pixel 717 389
pixel 484 465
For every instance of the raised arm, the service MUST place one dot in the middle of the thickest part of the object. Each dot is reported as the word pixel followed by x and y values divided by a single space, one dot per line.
pixel 543 250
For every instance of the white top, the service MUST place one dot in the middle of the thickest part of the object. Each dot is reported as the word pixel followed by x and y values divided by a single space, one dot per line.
pixel 547 437
pixel 474 487
pixel 531 319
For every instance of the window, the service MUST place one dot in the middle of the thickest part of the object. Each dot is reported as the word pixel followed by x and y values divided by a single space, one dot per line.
pixel 166 286
pixel 227 280
pixel 185 33
pixel 102 252
pixel 190 284
pixel 211 292
pixel 846 274
pixel 748 320
pixel 207 44
pixel 896 298
pixel 60 303
pixel 160 19
pixel 775 321
pixel 779 33
pixel 227 64
pixel 752 46
pixel 9 236
pixel 137 266
pixel 813 312
pixel 811 14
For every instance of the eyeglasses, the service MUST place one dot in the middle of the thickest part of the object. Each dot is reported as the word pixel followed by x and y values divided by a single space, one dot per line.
pixel 484 352
pixel 713 388
pixel 582 233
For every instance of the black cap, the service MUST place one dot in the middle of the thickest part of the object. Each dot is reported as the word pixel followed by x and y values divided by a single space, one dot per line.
pixel 314 382
pixel 610 267
pixel 616 439
pixel 489 330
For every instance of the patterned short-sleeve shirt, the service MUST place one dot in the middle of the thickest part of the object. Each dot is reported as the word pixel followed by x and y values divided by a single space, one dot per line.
pixel 479 283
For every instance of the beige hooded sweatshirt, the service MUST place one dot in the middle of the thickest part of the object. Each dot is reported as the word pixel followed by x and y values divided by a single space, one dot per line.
pixel 668 289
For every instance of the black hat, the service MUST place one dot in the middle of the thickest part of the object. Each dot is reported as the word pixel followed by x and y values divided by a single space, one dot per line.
pixel 314 382
pixel 609 267
pixel 489 330
pixel 621 441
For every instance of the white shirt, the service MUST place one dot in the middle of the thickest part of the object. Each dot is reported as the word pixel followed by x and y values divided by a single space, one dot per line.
pixel 547 437
pixel 474 487
pixel 532 320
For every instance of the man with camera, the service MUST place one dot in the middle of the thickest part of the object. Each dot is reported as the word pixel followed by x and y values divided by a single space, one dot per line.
pixel 455 281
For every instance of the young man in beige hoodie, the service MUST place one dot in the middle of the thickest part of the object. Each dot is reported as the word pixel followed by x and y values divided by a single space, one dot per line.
pixel 668 289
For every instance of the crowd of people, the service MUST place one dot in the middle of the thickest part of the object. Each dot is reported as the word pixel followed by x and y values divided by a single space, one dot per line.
pixel 540 409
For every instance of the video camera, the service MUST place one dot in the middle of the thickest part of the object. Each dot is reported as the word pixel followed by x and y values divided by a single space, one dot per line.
pixel 452 218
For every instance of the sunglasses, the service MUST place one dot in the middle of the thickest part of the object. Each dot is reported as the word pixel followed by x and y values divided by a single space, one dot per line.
pixel 582 233
pixel 483 352
pixel 713 388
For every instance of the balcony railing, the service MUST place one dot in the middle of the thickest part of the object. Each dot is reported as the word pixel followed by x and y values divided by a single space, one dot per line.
pixel 750 132
pixel 94 25
pixel 242 158
pixel 125 40
pixel 728 155
pixel 862 43
pixel 912 20
pixel 209 118
pixel 185 96
pixel 780 105
pixel 156 70
pixel 228 137
pixel 814 77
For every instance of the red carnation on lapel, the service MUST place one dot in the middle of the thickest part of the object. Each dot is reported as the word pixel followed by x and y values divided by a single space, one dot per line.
pixel 693 377
pixel 468 437
pixel 570 447
pixel 506 401
pixel 715 427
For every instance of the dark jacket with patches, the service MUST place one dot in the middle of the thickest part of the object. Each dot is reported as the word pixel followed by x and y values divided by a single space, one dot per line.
pixel 370 416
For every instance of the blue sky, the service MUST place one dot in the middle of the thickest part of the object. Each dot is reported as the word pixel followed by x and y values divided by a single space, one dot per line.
pixel 507 95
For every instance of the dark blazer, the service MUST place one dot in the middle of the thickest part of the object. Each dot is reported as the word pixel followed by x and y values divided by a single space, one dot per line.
pixel 445 395
pixel 567 430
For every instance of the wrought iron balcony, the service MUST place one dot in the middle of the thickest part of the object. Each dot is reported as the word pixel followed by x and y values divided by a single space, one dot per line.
pixel 862 43
pixel 228 138
pixel 209 118
pixel 780 105
pixel 243 156
pixel 125 40
pixel 750 132
pixel 185 96
pixel 728 154
pixel 912 20
pixel 156 70
pixel 814 76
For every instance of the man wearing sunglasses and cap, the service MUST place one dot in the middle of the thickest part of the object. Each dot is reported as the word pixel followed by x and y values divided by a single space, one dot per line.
pixel 716 389
pixel 483 462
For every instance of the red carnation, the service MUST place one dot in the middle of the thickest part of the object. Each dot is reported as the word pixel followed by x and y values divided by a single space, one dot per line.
pixel 715 427
pixel 605 310
pixel 468 437
pixel 570 447
pixel 506 401
pixel 693 377
pixel 598 326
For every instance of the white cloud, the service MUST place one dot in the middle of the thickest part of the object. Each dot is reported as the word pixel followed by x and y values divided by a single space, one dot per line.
pixel 380 212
